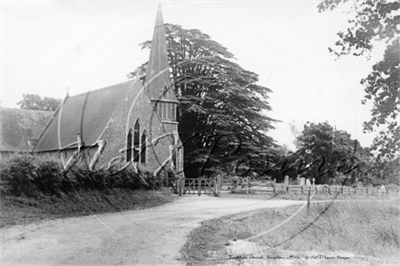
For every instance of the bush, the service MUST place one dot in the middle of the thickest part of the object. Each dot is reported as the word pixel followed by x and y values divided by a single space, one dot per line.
pixel 32 177
pixel 18 176
pixel 48 178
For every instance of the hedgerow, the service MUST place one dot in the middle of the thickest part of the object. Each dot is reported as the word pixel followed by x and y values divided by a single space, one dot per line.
pixel 29 176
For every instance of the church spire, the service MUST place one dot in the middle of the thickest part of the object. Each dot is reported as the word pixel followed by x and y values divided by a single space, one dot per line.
pixel 157 76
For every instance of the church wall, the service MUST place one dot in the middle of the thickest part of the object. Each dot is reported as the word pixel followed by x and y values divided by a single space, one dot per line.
pixel 158 151
pixel 116 133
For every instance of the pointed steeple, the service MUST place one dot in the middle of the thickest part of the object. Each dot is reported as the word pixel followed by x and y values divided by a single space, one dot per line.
pixel 157 76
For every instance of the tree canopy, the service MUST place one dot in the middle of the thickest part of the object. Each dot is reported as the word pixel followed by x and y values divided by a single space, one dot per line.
pixel 35 102
pixel 373 21
pixel 326 153
pixel 223 110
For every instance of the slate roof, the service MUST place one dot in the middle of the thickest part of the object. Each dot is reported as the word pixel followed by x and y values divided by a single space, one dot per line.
pixel 86 114
pixel 18 126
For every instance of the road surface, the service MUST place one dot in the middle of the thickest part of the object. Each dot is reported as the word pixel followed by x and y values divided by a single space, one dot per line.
pixel 145 237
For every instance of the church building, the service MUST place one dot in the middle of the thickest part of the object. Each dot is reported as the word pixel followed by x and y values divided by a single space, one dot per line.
pixel 130 123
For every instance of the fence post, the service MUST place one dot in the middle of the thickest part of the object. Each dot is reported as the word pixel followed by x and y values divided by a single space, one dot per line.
pixel 215 186
pixel 248 185
pixel 180 183
pixel 308 202
pixel 219 181
pixel 199 188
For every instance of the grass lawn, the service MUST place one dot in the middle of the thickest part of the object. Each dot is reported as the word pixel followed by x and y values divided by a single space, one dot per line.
pixel 366 231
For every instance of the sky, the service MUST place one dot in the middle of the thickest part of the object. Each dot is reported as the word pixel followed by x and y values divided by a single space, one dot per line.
pixel 49 47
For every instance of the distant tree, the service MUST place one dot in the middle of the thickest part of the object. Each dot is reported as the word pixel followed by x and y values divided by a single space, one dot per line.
pixel 326 152
pixel 223 110
pixel 372 21
pixel 35 102
pixel 384 172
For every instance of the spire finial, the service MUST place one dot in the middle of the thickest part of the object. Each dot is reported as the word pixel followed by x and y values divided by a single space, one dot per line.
pixel 67 90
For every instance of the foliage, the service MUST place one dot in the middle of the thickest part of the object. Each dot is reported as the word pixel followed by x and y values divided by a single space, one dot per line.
pixel 325 152
pixel 18 176
pixel 222 108
pixel 384 172
pixel 26 175
pixel 48 177
pixel 35 102
pixel 374 21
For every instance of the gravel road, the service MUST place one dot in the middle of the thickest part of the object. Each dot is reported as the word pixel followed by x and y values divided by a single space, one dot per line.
pixel 146 237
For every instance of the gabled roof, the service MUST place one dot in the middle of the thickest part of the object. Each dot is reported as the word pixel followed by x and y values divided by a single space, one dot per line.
pixel 18 126
pixel 157 76
pixel 85 114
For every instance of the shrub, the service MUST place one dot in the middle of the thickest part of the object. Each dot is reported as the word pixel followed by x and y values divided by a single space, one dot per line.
pixel 48 178
pixel 18 176
pixel 31 176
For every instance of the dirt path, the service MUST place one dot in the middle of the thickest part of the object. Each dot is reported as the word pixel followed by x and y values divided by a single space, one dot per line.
pixel 146 237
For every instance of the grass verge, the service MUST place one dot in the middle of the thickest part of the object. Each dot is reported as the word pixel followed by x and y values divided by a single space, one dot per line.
pixel 23 210
pixel 299 196
pixel 367 229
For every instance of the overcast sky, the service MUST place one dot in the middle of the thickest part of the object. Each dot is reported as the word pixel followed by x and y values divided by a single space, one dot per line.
pixel 86 45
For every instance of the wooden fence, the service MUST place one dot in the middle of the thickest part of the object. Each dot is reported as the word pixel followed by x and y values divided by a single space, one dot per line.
pixel 201 185
pixel 317 189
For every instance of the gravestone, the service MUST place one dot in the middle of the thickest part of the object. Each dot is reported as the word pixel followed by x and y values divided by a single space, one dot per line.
pixel 313 181
pixel 308 183
pixel 286 182
pixel 302 181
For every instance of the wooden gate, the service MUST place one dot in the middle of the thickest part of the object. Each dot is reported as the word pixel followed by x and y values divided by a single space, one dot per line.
pixel 200 185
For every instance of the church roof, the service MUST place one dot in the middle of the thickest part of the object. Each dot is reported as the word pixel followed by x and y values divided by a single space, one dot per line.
pixel 18 126
pixel 85 114
pixel 88 114
pixel 157 76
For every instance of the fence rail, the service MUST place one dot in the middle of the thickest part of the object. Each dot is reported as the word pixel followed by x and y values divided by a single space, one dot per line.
pixel 317 189
pixel 199 186
pixel 203 185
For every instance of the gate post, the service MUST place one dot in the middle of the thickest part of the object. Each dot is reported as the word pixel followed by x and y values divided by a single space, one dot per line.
pixel 217 185
pixel 219 181
pixel 199 189
pixel 180 184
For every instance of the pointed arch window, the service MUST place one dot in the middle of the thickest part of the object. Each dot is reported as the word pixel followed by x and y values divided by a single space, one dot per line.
pixel 143 153
pixel 159 109
pixel 136 141
pixel 129 146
